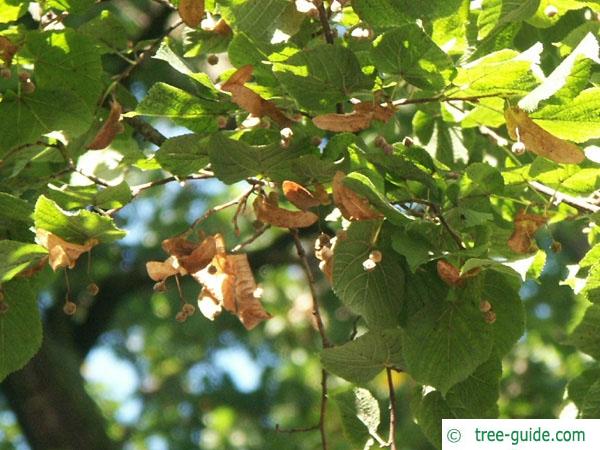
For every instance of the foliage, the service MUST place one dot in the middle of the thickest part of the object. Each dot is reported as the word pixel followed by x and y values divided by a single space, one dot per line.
pixel 424 152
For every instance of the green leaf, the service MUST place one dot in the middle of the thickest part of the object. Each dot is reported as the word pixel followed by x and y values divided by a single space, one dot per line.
pixel 363 185
pixel 233 161
pixel 504 73
pixel 591 291
pixel 14 208
pixel 108 30
pixel 497 13
pixel 381 13
pixel 450 27
pixel 407 51
pixel 20 327
pixel 501 289
pixel 477 395
pixel 76 228
pixel 419 242
pixel 67 60
pixel 577 120
pixel 11 10
pixel 568 79
pixel 322 76
pixel 196 114
pixel 360 360
pixel 399 167
pixel 17 256
pixel 586 336
pixel 579 386
pixel 260 19
pixel 445 342
pixel 591 405
pixel 24 119
pixel 183 155
pixel 360 415
pixel 429 414
pixel 313 168
pixel 376 295
pixel 78 197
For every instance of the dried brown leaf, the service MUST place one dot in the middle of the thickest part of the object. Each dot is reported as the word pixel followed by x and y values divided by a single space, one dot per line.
pixel 60 252
pixel 247 305
pixel 161 270
pixel 191 12
pixel 449 273
pixel 269 213
pixel 299 196
pixel 111 127
pixel 352 122
pixel 352 205
pixel 191 256
pixel 378 112
pixel 522 240
pixel 249 100
pixel 228 283
pixel 537 140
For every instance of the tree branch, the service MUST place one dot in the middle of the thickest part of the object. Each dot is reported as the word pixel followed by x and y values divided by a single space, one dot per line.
pixel 559 197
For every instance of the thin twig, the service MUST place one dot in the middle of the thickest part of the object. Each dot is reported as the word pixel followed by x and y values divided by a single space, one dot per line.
pixel 555 195
pixel 311 284
pixel 147 53
pixel 258 233
pixel 329 38
pixel 559 197
pixel 324 340
pixel 278 429
pixel 137 190
pixel 438 213
pixel 393 412
pixel 147 131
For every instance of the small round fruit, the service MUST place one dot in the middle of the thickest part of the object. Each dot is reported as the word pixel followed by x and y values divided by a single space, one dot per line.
pixel 212 60
pixel 518 148
pixel 375 256
pixel 484 306
pixel 69 308
pixel 489 317
pixel 181 316
pixel 188 309
pixel 369 265
pixel 93 289
pixel 28 87
pixel 5 73
pixel 551 11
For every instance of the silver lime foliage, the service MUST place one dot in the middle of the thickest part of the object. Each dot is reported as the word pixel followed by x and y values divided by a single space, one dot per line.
pixel 450 194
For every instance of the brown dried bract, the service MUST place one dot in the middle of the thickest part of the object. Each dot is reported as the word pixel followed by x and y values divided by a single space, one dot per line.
pixel 359 119
pixel 60 252
pixel 449 273
pixel 268 212
pixel 338 123
pixel 228 283
pixel 352 205
pixel 249 100
pixel 111 127
pixel 526 225
pixel 324 253
pixel 191 256
pixel 537 140
pixel 7 50
pixel 191 12
pixel 299 196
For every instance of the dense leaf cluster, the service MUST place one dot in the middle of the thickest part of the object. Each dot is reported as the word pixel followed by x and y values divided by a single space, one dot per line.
pixel 457 125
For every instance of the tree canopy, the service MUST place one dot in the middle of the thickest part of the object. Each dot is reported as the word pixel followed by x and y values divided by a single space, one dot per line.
pixel 376 213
